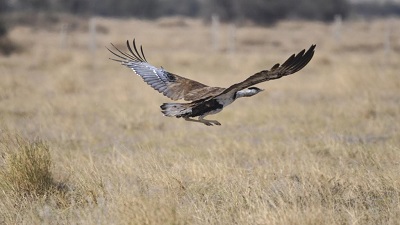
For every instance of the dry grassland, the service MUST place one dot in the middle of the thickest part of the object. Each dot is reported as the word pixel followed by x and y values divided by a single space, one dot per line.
pixel 83 140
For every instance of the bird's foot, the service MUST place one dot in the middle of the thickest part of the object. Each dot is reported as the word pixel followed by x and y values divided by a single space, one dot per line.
pixel 210 122
pixel 215 122
pixel 206 122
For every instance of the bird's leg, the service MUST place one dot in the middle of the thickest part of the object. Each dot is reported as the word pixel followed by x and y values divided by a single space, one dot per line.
pixel 201 120
pixel 192 120
pixel 208 122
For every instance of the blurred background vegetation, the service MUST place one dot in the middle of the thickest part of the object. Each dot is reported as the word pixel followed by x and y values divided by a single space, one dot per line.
pixel 257 11
pixel 47 12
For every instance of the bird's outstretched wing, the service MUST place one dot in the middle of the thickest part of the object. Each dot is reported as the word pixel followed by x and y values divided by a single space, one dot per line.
pixel 171 85
pixel 293 64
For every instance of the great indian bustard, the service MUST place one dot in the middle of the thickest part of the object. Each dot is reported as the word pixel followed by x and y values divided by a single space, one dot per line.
pixel 204 100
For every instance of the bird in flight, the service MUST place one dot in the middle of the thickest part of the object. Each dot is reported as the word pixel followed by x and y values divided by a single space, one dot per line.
pixel 203 99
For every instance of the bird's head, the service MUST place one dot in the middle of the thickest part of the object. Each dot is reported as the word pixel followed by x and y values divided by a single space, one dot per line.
pixel 248 92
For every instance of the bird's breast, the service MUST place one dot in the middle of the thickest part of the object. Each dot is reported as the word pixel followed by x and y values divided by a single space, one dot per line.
pixel 225 101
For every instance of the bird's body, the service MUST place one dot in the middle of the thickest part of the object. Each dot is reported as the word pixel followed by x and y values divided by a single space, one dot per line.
pixel 204 100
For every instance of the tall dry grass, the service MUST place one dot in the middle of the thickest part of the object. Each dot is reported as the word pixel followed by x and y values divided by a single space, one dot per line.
pixel 318 147
pixel 28 167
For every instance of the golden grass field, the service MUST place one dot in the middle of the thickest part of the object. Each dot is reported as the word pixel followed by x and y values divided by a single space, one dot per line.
pixel 83 140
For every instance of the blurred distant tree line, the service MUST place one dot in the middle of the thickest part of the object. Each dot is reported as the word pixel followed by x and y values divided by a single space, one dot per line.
pixel 258 11
pixel 6 45
pixel 3 8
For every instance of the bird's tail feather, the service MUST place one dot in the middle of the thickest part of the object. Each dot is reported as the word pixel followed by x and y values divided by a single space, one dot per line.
pixel 175 109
